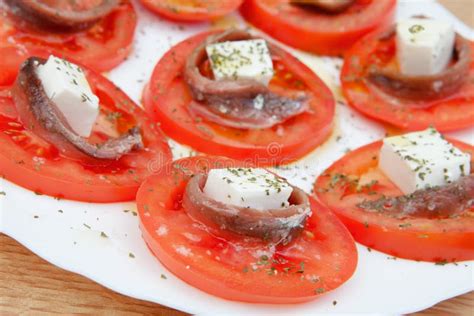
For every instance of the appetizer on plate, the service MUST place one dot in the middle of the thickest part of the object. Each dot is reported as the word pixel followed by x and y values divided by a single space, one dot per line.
pixel 68 132
pixel 325 27
pixel 234 95
pixel 416 74
pixel 98 34
pixel 192 10
pixel 243 233
pixel 411 196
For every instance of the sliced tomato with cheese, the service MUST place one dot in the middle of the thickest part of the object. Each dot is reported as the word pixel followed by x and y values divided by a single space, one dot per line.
pixel 449 113
pixel 192 10
pixel 315 31
pixel 241 268
pixel 101 47
pixel 37 165
pixel 356 178
pixel 167 97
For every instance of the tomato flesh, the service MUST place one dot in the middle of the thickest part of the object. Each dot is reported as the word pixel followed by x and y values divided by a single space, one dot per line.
pixel 241 268
pixel 356 177
pixel 192 10
pixel 315 31
pixel 31 162
pixel 167 97
pixel 445 114
pixel 102 47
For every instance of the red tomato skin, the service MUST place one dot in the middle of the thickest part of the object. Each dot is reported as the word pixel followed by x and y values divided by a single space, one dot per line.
pixel 100 57
pixel 322 43
pixel 421 241
pixel 59 176
pixel 447 114
pixel 438 247
pixel 271 153
pixel 223 285
pixel 58 188
pixel 189 15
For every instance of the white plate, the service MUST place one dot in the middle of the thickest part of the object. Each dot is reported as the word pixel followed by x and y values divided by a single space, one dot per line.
pixel 71 238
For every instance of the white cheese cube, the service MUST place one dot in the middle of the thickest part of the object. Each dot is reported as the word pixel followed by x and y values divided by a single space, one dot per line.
pixel 251 188
pixel 424 46
pixel 66 85
pixel 421 160
pixel 249 59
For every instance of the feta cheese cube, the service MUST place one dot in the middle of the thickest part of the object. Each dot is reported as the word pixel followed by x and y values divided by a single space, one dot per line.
pixel 249 59
pixel 422 159
pixel 251 188
pixel 424 46
pixel 66 85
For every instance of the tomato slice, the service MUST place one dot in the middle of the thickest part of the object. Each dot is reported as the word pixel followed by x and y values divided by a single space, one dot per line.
pixel 31 162
pixel 445 114
pixel 166 98
pixel 315 31
pixel 192 10
pixel 241 268
pixel 102 47
pixel 356 177
pixel 76 5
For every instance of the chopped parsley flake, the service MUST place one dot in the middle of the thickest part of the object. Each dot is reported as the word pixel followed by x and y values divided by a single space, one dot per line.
pixel 319 290
pixel 416 28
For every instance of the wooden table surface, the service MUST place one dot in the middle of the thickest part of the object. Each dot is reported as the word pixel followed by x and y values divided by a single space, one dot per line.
pixel 30 285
